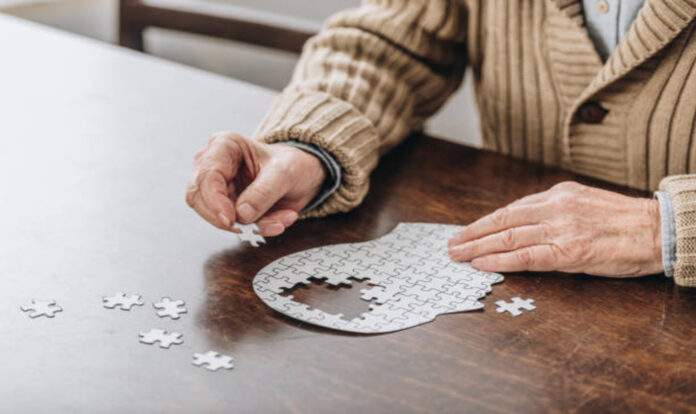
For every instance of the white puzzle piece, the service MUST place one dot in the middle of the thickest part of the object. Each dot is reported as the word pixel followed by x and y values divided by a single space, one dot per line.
pixel 37 308
pixel 212 361
pixel 414 279
pixel 167 307
pixel 160 336
pixel 515 307
pixel 122 301
pixel 249 233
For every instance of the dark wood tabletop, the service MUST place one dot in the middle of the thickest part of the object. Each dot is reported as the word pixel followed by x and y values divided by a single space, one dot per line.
pixel 95 149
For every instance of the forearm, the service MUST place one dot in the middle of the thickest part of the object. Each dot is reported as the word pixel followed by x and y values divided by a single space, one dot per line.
pixel 365 82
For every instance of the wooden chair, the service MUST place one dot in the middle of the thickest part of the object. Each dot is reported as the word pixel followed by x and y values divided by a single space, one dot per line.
pixel 212 19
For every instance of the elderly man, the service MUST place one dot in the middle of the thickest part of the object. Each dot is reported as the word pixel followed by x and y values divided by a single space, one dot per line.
pixel 605 88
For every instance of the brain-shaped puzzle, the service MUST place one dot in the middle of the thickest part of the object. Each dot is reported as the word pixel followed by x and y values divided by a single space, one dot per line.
pixel 411 276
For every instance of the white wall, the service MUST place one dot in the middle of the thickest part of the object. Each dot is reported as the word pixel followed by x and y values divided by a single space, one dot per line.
pixel 458 121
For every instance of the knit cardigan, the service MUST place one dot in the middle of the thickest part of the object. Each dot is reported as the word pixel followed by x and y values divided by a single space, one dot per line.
pixel 375 73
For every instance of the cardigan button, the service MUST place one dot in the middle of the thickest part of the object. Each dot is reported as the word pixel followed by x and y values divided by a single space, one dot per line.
pixel 603 6
pixel 591 113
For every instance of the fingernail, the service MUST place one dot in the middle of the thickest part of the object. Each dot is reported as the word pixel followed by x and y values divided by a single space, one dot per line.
pixel 225 221
pixel 246 212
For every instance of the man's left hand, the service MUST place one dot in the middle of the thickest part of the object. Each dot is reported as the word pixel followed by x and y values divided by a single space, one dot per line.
pixel 569 228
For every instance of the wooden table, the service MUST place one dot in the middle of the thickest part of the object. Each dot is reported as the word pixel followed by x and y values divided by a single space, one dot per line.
pixel 96 144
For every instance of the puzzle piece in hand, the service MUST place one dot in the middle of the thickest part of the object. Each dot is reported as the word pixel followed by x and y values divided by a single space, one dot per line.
pixel 213 361
pixel 515 307
pixel 411 277
pixel 170 308
pixel 249 233
pixel 36 308
pixel 122 301
pixel 164 338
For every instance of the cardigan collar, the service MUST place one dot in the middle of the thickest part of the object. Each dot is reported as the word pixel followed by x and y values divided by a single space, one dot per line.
pixel 657 24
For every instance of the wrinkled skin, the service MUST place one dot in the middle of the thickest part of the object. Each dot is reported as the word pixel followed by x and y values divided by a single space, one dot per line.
pixel 569 228
pixel 238 179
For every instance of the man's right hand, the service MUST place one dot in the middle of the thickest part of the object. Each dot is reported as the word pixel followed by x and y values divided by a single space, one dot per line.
pixel 237 179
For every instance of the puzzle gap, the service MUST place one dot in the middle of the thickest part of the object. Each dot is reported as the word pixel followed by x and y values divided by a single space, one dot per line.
pixel 343 298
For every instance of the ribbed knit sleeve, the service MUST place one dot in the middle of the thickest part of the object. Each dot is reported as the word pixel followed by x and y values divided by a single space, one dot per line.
pixel 370 77
pixel 682 191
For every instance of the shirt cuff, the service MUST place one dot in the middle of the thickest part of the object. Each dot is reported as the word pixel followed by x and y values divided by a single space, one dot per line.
pixel 331 166
pixel 669 233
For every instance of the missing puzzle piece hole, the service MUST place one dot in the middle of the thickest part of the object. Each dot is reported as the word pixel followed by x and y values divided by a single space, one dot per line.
pixel 343 298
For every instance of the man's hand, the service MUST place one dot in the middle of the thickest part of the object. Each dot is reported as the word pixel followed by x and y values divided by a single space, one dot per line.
pixel 237 179
pixel 569 228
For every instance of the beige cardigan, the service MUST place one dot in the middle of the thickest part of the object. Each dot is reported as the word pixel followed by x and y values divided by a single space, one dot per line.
pixel 377 72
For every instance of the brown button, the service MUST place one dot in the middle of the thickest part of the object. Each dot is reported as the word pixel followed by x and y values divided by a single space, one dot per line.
pixel 591 113
pixel 603 7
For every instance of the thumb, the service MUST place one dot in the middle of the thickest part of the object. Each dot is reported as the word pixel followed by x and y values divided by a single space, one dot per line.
pixel 268 187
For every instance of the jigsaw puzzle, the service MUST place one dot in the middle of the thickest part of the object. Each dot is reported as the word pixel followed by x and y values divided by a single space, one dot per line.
pixel 37 308
pixel 170 308
pixel 213 361
pixel 413 279
pixel 249 233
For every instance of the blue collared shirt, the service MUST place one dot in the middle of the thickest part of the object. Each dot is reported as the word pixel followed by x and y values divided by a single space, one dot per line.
pixel 608 21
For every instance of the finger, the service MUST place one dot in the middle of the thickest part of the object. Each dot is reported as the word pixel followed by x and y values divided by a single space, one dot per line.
pixel 216 198
pixel 533 258
pixel 286 216
pixel 504 241
pixel 268 187
pixel 501 219
pixel 275 223
pixel 214 166
pixel 271 228
pixel 197 204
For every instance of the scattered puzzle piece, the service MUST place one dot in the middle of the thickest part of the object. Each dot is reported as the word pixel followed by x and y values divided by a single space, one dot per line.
pixel 213 361
pixel 170 308
pixel 249 233
pixel 164 338
pixel 515 307
pixel 37 308
pixel 122 301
